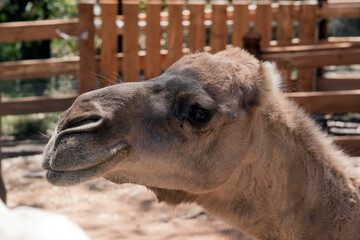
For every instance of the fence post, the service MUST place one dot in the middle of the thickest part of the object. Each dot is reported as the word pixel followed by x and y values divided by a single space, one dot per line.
pixel 2 185
pixel 285 24
pixel 251 42
pixel 87 70
pixel 109 46
pixel 241 22
pixel 285 33
pixel 197 30
pixel 218 30
pixel 307 35
pixel 131 64
pixel 175 31
pixel 263 22
pixel 153 37
pixel 323 34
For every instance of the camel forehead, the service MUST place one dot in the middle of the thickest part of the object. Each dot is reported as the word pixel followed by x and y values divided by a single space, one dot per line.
pixel 217 71
pixel 220 75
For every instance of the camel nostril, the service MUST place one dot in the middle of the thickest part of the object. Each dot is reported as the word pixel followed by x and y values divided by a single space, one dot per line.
pixel 83 123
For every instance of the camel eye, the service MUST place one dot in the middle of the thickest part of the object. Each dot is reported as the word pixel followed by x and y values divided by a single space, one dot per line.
pixel 198 114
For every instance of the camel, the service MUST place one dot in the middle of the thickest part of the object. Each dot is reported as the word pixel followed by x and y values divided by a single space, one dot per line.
pixel 215 130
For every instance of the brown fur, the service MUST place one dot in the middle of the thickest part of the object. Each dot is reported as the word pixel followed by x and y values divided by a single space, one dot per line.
pixel 256 161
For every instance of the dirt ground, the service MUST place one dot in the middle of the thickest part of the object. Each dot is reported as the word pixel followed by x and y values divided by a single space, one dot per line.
pixel 105 211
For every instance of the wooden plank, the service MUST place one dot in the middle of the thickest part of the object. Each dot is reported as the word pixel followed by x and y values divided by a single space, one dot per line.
pixel 37 30
pixel 328 102
pixel 27 69
pixel 337 82
pixel 307 35
pixel 284 35
pixel 342 1
pixel 314 55
pixel 131 69
pixel 349 144
pixel 175 31
pixel 197 28
pixel 153 37
pixel 218 30
pixel 263 20
pixel 343 10
pixel 36 105
pixel 285 24
pixel 241 22
pixel 109 43
pixel 86 46
pixel 311 48
pixel 340 40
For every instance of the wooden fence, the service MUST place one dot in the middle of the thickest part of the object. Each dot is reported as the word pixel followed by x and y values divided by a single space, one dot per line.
pixel 194 26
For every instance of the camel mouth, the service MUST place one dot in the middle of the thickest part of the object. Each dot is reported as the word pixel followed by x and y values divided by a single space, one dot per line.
pixel 79 175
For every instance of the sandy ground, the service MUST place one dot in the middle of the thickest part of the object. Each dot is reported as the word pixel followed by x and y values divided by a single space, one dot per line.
pixel 105 211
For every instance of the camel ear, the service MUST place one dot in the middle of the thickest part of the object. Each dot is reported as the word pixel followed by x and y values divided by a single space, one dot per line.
pixel 254 82
pixel 268 82
pixel 263 85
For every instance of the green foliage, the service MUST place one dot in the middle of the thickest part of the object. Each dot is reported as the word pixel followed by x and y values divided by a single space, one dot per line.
pixel 10 51
pixel 344 27
pixel 62 9
pixel 62 85
pixel 17 88
pixel 26 10
pixel 64 47
pixel 33 124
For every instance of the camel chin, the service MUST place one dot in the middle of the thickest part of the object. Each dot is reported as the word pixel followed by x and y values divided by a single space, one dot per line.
pixel 73 177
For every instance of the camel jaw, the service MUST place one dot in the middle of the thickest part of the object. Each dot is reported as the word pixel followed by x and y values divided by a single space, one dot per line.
pixel 75 176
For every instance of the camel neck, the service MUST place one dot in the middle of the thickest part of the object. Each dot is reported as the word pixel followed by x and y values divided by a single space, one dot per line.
pixel 288 184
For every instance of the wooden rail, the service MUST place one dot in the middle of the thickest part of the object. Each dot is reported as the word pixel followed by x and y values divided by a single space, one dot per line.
pixel 320 55
pixel 36 105
pixel 334 82
pixel 38 30
pixel 28 69
pixel 328 102
pixel 349 144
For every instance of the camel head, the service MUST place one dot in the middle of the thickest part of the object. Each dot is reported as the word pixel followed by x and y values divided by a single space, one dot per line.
pixel 182 132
